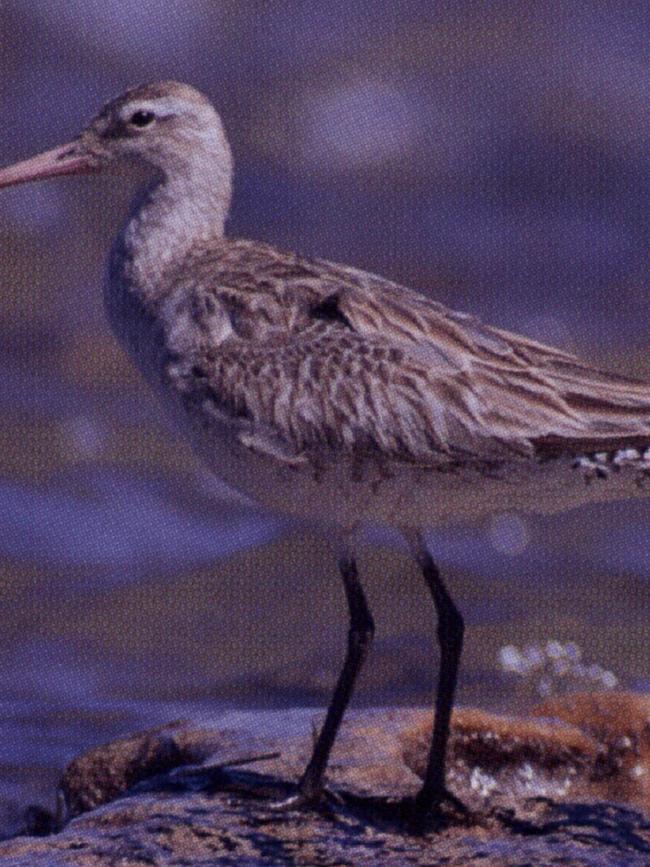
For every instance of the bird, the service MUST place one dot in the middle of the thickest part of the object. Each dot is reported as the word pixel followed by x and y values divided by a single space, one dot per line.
pixel 327 393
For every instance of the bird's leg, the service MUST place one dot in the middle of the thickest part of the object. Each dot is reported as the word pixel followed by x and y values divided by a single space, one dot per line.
pixel 360 636
pixel 434 792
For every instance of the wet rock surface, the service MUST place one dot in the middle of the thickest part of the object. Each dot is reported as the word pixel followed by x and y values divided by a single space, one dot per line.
pixel 567 785
pixel 587 745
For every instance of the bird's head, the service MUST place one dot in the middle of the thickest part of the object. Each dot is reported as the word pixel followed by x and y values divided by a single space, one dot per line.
pixel 167 125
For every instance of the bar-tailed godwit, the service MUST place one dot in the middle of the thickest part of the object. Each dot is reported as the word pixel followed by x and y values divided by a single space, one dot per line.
pixel 326 392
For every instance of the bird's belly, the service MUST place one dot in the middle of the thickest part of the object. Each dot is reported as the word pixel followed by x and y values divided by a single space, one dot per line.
pixel 342 493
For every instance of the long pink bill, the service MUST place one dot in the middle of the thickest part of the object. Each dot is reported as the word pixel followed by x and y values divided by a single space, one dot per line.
pixel 66 159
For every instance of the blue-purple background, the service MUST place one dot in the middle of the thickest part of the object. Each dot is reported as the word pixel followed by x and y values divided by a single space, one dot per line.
pixel 495 155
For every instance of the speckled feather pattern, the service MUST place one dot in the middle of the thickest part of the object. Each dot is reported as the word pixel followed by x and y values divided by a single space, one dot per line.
pixel 317 356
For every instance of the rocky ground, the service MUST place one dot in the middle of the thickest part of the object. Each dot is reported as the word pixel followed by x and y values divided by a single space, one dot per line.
pixel 568 785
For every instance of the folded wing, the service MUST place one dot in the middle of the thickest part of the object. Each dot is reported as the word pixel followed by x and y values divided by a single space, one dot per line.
pixel 320 357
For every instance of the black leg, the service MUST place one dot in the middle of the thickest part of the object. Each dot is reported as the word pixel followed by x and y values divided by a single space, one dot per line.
pixel 359 639
pixel 450 639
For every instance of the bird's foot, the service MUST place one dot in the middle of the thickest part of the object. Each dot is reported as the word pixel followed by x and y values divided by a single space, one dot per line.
pixel 437 810
pixel 308 798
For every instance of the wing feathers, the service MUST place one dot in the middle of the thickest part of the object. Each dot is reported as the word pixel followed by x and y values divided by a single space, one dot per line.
pixel 331 357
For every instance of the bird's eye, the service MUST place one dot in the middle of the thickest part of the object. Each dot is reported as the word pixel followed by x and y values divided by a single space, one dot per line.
pixel 142 118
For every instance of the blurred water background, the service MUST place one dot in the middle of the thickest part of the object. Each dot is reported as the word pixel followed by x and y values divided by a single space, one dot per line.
pixel 495 155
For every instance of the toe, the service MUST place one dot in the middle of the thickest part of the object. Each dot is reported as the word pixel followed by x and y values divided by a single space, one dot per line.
pixel 440 810
pixel 305 799
pixel 296 802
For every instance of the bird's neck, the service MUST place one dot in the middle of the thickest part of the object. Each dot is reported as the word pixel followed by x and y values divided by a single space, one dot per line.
pixel 172 213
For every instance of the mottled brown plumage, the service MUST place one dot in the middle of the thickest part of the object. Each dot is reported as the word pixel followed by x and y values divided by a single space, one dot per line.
pixel 329 393
pixel 326 357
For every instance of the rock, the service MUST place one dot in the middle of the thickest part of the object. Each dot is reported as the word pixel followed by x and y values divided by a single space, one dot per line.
pixel 586 745
pixel 183 795
pixel 620 723
pixel 495 758
pixel 17 821
pixel 106 772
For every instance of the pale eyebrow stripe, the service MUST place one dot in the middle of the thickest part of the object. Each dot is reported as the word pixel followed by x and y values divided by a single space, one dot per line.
pixel 160 107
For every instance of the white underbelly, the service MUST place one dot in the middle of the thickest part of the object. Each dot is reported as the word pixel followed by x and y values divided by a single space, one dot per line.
pixel 341 494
